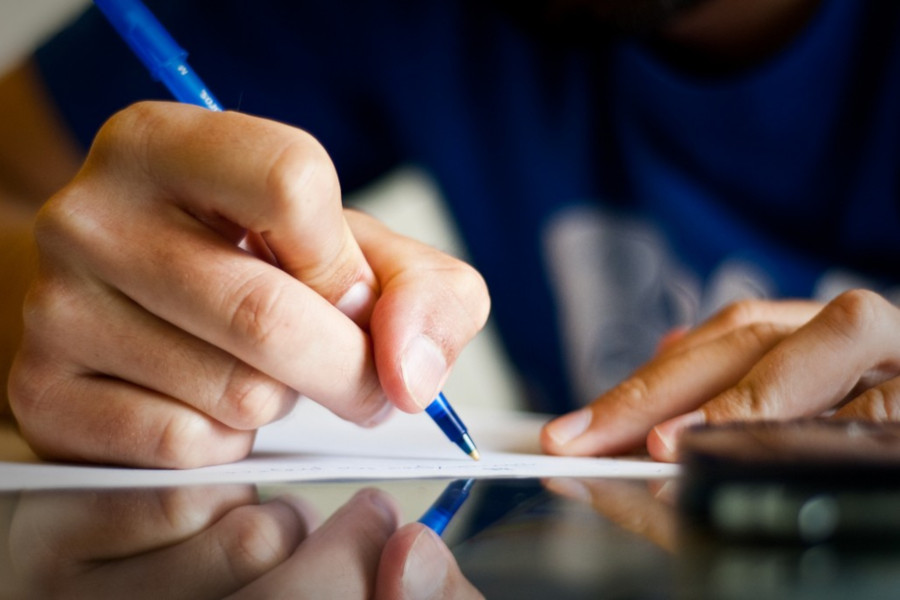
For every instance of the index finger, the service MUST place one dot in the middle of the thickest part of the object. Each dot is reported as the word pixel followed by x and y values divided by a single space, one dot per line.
pixel 810 371
pixel 168 191
pixel 229 168
pixel 668 385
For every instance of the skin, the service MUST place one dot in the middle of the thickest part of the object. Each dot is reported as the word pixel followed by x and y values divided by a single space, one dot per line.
pixel 154 245
pixel 644 508
pixel 217 542
pixel 755 359
pixel 176 304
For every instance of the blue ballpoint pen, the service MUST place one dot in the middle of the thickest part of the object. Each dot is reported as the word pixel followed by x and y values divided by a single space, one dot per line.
pixel 159 52
pixel 166 61
pixel 452 426
pixel 438 516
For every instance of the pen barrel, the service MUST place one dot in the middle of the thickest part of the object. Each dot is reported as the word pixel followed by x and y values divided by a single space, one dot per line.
pixel 187 87
pixel 438 516
pixel 143 33
pixel 446 418
pixel 157 50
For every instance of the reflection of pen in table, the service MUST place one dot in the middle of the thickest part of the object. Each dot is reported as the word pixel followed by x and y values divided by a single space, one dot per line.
pixel 438 516
pixel 167 62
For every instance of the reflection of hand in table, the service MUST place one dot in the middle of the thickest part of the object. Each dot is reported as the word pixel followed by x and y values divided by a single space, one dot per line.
pixel 209 542
pixel 639 507
pixel 341 559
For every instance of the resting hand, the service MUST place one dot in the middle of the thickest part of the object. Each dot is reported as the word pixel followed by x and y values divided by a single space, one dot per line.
pixel 198 275
pixel 756 360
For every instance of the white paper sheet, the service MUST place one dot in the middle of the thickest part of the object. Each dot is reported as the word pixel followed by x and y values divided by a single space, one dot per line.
pixel 312 444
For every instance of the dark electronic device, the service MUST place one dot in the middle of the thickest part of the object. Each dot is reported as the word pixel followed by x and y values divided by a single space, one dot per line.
pixel 808 481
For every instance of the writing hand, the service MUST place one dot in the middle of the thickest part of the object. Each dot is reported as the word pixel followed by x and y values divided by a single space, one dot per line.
pixel 198 275
pixel 754 360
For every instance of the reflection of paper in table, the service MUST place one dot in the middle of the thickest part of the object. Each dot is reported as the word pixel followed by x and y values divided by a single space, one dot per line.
pixel 312 444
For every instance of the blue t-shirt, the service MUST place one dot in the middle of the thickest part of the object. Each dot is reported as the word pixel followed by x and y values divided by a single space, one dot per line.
pixel 605 195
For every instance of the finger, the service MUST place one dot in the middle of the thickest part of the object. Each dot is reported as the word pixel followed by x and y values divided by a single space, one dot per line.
pixel 670 339
pixel 808 372
pixel 737 316
pixel 128 425
pixel 244 545
pixel 879 403
pixel 71 532
pixel 340 558
pixel 417 565
pixel 628 504
pixel 202 284
pixel 272 179
pixel 668 385
pixel 76 327
pixel 431 306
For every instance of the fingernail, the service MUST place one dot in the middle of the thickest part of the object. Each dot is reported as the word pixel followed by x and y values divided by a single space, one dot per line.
pixel 568 427
pixel 667 492
pixel 668 431
pixel 357 302
pixel 423 367
pixel 426 566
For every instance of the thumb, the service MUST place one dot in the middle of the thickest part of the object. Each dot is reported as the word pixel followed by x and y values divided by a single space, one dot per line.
pixel 416 564
pixel 431 306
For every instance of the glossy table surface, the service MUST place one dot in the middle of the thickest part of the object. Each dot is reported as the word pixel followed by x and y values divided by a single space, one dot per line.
pixel 513 538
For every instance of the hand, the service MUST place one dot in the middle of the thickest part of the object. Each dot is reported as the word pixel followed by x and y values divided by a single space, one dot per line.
pixel 643 508
pixel 198 274
pixel 755 360
pixel 359 553
pixel 211 542
pixel 208 541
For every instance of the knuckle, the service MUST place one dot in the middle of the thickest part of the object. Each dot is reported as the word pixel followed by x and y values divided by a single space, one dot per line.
pixel 760 334
pixel 128 132
pixel 748 400
pixel 256 543
pixel 50 306
pixel 181 434
pixel 300 176
pixel 633 393
pixel 177 507
pixel 253 399
pixel 66 225
pixel 259 312
pixel 854 312
pixel 740 313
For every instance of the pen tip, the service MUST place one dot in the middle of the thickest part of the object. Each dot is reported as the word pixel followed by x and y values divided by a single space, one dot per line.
pixel 474 454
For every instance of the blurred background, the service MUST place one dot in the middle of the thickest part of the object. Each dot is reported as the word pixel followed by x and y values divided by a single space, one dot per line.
pixel 406 200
